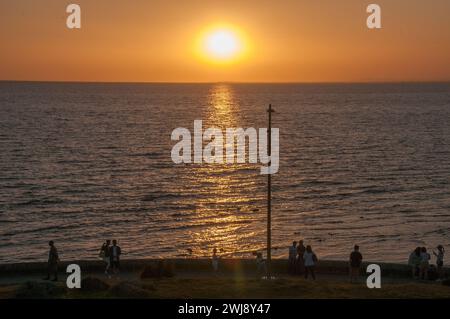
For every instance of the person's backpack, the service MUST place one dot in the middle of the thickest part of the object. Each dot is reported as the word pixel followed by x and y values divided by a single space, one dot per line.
pixel 314 257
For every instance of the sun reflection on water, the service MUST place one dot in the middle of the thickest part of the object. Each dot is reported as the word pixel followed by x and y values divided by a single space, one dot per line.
pixel 226 202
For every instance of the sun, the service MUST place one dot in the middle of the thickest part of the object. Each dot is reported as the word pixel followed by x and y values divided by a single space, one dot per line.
pixel 221 44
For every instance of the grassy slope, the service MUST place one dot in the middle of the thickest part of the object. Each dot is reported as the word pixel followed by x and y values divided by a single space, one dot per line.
pixel 254 288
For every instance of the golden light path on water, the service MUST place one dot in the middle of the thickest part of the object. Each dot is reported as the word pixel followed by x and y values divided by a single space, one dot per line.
pixel 225 187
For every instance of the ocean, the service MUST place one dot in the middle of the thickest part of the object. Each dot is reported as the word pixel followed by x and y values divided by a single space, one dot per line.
pixel 365 164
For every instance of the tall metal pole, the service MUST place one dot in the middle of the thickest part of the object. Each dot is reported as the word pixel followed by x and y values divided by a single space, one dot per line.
pixel 269 198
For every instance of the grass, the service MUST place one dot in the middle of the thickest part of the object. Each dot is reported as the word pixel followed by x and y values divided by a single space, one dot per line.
pixel 287 287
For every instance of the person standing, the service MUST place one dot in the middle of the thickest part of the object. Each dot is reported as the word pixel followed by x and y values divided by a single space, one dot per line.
pixel 292 258
pixel 52 264
pixel 300 262
pixel 414 262
pixel 114 255
pixel 439 260
pixel 310 260
pixel 261 268
pixel 355 264
pixel 424 263
pixel 105 256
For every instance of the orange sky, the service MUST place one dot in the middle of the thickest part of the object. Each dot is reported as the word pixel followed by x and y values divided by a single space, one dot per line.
pixel 288 41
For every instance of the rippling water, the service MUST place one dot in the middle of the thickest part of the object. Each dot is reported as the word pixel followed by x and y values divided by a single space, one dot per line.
pixel 366 164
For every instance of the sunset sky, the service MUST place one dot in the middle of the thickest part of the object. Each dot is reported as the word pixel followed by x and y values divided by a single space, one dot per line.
pixel 276 41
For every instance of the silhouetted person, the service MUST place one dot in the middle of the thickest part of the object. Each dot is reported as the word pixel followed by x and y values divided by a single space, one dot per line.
pixel 439 260
pixel 105 255
pixel 260 264
pixel 52 264
pixel 424 263
pixel 310 260
pixel 300 262
pixel 114 255
pixel 292 258
pixel 355 263
pixel 414 262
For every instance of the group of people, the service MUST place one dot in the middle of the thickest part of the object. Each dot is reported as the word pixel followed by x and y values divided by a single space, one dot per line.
pixel 302 260
pixel 110 254
pixel 419 260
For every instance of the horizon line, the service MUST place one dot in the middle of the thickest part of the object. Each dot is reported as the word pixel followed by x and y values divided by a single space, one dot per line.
pixel 227 82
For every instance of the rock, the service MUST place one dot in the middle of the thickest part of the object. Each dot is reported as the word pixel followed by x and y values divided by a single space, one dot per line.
pixel 162 269
pixel 92 284
pixel 128 290
pixel 150 271
pixel 40 290
pixel 150 287
pixel 167 269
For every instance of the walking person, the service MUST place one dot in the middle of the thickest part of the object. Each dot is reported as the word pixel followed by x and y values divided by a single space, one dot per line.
pixel 105 256
pixel 439 260
pixel 114 255
pixel 355 264
pixel 310 260
pixel 292 262
pixel 424 263
pixel 300 262
pixel 52 264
